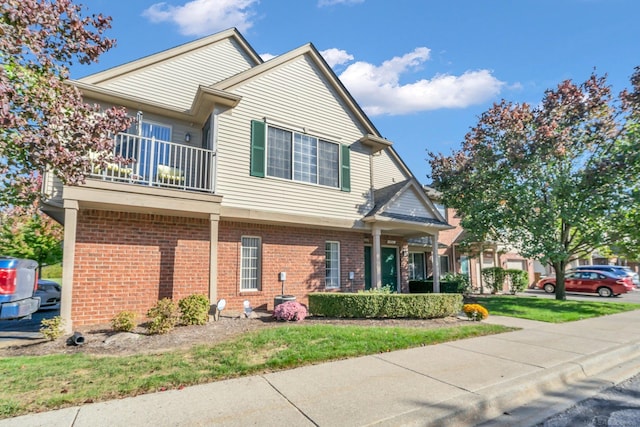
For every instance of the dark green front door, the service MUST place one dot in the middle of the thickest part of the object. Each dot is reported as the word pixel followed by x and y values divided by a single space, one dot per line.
pixel 389 259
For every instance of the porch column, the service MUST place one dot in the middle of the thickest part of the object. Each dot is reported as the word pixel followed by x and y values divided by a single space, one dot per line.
pixel 214 220
pixel 68 257
pixel 436 263
pixel 376 260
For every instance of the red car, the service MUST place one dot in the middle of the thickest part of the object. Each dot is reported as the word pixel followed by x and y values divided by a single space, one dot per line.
pixel 596 282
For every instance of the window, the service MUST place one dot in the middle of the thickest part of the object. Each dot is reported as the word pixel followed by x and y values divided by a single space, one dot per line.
pixel 332 264
pixel 298 157
pixel 278 162
pixel 416 266
pixel 444 264
pixel 250 264
pixel 442 209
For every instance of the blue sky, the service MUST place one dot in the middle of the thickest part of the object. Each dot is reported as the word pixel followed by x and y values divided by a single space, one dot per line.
pixel 423 70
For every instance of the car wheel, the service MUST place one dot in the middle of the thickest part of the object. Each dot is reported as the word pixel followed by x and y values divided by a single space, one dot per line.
pixel 605 292
pixel 549 288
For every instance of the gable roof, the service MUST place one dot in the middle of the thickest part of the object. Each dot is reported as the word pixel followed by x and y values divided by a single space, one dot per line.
pixel 311 52
pixel 406 202
pixel 156 58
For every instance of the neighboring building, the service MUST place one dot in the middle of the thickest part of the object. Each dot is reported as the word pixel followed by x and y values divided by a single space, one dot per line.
pixel 241 170
pixel 467 259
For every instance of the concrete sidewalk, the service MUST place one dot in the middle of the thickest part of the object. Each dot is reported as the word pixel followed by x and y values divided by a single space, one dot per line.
pixel 517 378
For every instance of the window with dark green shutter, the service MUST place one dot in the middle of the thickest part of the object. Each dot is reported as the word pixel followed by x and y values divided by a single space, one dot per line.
pixel 258 143
pixel 299 157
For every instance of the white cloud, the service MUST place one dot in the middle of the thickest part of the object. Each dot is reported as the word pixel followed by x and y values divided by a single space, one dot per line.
pixel 322 3
pixel 335 57
pixel 203 17
pixel 378 89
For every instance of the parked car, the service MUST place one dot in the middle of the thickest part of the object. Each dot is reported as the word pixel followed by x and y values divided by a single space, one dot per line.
pixel 18 281
pixel 621 270
pixel 49 293
pixel 603 283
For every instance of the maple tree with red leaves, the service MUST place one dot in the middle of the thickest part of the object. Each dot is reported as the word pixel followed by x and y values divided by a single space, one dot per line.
pixel 44 123
pixel 555 181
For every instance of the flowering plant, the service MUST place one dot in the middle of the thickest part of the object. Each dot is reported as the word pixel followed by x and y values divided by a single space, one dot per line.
pixel 290 310
pixel 475 312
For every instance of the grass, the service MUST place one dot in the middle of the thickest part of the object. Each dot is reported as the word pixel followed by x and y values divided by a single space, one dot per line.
pixel 550 310
pixel 40 383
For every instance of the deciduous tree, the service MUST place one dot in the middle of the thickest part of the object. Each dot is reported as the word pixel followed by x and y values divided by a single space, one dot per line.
pixel 26 233
pixel 552 180
pixel 44 124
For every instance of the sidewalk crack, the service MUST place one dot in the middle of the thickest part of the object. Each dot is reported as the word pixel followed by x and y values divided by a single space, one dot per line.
pixel 290 402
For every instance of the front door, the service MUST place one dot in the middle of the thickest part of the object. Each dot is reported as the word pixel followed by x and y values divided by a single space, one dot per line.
pixel 389 259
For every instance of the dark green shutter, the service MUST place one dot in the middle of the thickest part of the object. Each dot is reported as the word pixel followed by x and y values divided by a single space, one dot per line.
pixel 346 169
pixel 258 143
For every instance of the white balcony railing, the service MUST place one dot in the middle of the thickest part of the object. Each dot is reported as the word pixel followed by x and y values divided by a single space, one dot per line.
pixel 153 162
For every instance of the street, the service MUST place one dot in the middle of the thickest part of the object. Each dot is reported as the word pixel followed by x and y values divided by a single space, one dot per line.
pixel 617 406
pixel 24 330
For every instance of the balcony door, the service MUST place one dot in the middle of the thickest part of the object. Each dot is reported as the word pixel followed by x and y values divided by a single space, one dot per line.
pixel 151 152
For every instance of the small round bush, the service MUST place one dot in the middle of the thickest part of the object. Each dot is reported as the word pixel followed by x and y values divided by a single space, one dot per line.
pixel 163 315
pixel 124 321
pixel 51 328
pixel 194 310
pixel 475 312
pixel 290 310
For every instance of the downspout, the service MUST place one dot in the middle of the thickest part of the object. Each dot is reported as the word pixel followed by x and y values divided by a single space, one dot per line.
pixel 213 125
pixel 372 201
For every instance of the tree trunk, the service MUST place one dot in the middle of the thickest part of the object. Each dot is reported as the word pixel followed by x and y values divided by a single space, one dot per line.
pixel 560 289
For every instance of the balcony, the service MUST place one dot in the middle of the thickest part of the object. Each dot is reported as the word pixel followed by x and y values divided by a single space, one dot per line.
pixel 156 163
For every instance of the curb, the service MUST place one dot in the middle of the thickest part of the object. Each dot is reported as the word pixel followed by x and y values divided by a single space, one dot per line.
pixel 580 377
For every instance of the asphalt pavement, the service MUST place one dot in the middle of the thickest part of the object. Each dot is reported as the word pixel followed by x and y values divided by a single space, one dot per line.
pixel 518 378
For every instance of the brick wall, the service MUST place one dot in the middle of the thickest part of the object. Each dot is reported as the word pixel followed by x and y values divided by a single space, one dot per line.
pixel 300 252
pixel 128 261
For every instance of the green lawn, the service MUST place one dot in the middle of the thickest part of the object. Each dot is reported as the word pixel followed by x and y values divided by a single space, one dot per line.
pixel 550 310
pixel 32 384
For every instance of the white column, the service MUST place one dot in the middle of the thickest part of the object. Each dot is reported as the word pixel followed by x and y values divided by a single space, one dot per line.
pixel 376 260
pixel 214 220
pixel 68 257
pixel 436 263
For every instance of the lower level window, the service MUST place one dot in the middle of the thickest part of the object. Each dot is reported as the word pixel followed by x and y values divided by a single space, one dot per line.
pixel 444 264
pixel 250 264
pixel 332 264
pixel 416 266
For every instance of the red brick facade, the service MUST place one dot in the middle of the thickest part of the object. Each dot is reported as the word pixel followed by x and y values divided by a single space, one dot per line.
pixel 477 261
pixel 128 261
pixel 300 252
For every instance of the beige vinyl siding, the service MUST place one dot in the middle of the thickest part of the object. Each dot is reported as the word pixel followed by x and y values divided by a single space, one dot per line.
pixel 386 170
pixel 292 94
pixel 178 128
pixel 409 204
pixel 176 80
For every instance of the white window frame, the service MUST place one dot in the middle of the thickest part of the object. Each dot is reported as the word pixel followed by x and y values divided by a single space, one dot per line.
pixel 258 265
pixel 412 267
pixel 299 169
pixel 332 273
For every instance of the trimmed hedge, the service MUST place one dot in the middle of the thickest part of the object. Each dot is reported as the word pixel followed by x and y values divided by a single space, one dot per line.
pixel 426 287
pixel 362 305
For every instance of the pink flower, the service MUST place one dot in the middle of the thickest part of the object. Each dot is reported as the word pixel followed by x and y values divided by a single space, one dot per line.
pixel 290 310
